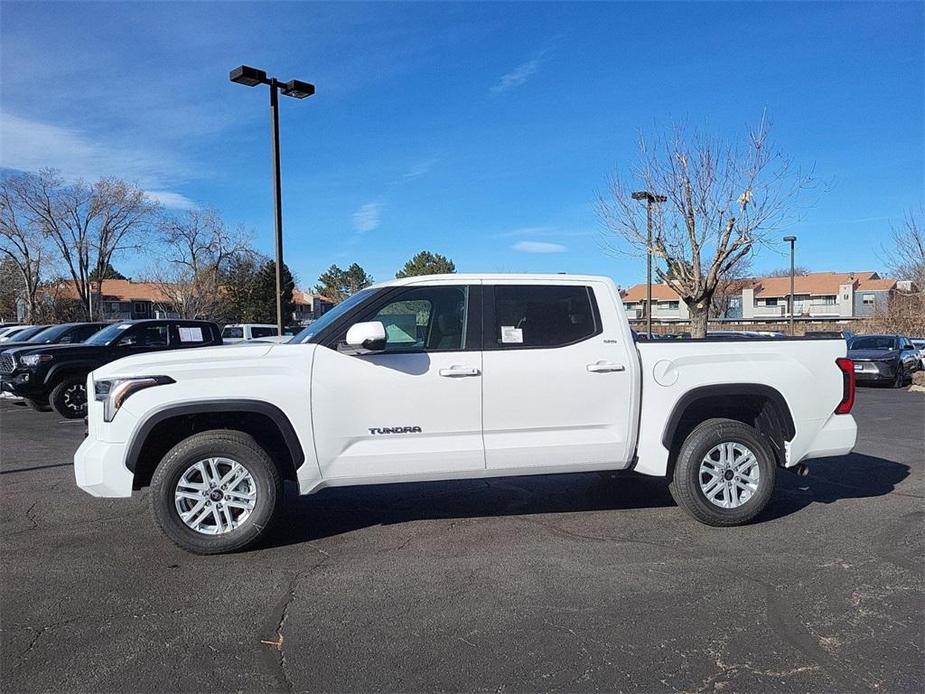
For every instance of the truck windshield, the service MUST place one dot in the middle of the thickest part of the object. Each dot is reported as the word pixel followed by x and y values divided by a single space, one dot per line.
pixel 310 334
pixel 108 334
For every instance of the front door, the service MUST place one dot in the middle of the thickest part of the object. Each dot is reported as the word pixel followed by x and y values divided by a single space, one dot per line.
pixel 558 387
pixel 414 410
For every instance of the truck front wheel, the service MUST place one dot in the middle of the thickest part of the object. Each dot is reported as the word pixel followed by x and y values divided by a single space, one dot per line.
pixel 724 473
pixel 69 397
pixel 217 491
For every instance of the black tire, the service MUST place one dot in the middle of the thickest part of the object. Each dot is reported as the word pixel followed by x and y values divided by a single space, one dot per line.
pixel 900 379
pixel 235 446
pixel 38 405
pixel 686 487
pixel 69 397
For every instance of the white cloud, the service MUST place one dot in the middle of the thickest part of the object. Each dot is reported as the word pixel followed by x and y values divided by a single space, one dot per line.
pixel 30 145
pixel 172 200
pixel 367 217
pixel 539 247
pixel 517 76
pixel 420 168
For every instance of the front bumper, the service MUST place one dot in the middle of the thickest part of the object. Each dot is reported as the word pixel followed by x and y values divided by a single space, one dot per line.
pixel 874 371
pixel 99 468
pixel 22 384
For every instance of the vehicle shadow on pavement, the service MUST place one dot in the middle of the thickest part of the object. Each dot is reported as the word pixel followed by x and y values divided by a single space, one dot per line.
pixel 853 476
pixel 341 510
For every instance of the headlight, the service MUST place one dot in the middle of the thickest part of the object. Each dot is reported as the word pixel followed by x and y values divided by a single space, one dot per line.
pixel 34 359
pixel 113 392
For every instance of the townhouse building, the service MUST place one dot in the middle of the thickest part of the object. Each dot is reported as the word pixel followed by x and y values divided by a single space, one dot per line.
pixel 816 295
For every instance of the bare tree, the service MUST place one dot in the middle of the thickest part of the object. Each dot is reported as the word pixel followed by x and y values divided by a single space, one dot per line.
pixel 87 223
pixel 22 242
pixel 198 249
pixel 905 252
pixel 723 200
pixel 798 271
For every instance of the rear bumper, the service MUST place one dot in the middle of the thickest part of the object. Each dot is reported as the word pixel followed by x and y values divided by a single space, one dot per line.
pixel 99 468
pixel 837 437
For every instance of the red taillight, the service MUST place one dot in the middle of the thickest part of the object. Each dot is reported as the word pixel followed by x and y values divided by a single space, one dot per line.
pixel 846 366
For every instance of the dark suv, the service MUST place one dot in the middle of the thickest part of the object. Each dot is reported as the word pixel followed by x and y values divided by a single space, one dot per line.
pixel 883 358
pixel 55 376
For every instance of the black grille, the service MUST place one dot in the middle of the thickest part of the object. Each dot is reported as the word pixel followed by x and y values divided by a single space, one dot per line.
pixel 6 364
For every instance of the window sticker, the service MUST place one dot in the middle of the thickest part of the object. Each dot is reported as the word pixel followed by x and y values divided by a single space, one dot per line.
pixel 190 334
pixel 511 335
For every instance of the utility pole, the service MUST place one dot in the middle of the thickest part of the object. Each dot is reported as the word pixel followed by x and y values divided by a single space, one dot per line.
pixel 650 199
pixel 791 240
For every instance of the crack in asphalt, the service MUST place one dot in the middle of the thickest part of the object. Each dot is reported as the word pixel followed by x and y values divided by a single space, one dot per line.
pixel 277 621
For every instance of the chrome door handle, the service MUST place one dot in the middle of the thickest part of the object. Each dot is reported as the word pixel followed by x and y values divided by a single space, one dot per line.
pixel 459 371
pixel 605 366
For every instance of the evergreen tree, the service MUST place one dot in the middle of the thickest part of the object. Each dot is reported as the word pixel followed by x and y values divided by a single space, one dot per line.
pixel 426 263
pixel 337 284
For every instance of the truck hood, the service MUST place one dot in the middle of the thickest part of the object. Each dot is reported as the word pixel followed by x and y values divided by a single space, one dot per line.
pixel 873 354
pixel 69 351
pixel 162 363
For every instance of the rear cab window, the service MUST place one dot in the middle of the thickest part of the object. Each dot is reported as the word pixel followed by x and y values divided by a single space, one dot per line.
pixel 523 316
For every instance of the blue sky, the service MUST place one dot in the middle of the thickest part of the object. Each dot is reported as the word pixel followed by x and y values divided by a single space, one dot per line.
pixel 481 131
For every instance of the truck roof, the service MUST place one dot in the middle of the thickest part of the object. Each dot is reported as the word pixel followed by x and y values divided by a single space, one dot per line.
pixel 490 277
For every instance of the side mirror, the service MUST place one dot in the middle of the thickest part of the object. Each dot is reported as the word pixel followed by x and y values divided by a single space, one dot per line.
pixel 369 337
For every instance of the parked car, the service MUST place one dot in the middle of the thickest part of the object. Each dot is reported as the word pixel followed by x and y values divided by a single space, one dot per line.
pixel 883 358
pixel 64 333
pixel 919 344
pixel 7 327
pixel 21 333
pixel 245 332
pixel 55 376
pixel 459 376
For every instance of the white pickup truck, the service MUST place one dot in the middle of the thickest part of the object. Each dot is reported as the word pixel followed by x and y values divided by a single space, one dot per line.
pixel 459 376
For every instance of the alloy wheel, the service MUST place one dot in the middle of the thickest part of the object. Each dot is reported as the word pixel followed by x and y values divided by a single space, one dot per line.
pixel 729 475
pixel 215 495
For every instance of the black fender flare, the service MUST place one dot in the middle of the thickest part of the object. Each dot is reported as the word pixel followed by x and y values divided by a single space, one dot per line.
pixel 276 415
pixel 727 390
pixel 70 368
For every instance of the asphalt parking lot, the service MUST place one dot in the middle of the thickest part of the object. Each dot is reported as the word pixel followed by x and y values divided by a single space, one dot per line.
pixel 564 583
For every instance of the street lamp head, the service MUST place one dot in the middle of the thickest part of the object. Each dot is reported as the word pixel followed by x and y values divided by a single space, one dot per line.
pixel 298 89
pixel 248 76
pixel 790 239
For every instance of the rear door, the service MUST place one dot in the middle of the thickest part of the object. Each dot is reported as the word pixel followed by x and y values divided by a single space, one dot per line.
pixel 558 384
pixel 414 410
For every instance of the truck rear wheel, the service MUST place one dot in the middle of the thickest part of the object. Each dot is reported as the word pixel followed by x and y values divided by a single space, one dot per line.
pixel 217 491
pixel 724 473
pixel 69 397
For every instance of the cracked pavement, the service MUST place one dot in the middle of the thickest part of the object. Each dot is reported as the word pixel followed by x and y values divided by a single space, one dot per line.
pixel 553 583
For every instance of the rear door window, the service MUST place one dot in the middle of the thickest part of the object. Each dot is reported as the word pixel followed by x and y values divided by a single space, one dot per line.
pixel 528 316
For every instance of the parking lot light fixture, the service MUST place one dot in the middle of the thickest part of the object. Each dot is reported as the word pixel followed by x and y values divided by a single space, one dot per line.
pixel 792 241
pixel 650 199
pixel 251 77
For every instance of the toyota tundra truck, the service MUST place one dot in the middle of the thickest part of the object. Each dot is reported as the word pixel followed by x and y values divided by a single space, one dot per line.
pixel 448 377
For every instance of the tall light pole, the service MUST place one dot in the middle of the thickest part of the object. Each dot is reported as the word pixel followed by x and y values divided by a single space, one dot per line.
pixel 650 199
pixel 791 240
pixel 251 77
